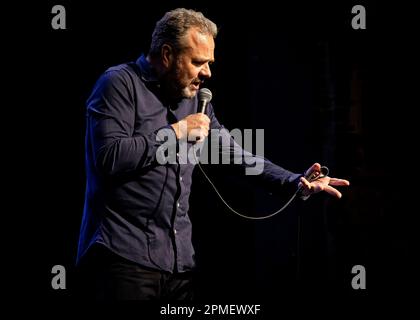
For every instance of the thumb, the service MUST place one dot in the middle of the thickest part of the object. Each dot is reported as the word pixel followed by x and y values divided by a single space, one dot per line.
pixel 316 167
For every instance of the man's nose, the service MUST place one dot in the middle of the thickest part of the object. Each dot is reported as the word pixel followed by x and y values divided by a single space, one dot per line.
pixel 205 71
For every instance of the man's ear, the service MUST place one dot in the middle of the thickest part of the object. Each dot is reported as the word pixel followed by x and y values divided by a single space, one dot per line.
pixel 167 55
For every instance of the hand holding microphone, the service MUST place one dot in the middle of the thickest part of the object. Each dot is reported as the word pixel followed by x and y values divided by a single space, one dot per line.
pixel 195 127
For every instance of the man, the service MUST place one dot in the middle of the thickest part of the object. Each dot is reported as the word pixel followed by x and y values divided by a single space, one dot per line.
pixel 135 240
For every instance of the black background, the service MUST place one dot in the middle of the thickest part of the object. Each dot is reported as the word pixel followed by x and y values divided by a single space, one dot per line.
pixel 321 90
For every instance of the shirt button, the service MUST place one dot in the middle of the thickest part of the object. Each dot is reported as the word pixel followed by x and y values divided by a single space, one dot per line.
pixel 177 204
pixel 180 178
pixel 175 231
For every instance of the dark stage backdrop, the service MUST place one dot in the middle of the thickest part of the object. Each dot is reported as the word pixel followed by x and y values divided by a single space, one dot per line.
pixel 321 90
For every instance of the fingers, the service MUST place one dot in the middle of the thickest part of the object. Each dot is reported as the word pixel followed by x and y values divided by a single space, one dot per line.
pixel 194 127
pixel 335 182
pixel 200 125
pixel 201 119
pixel 339 182
pixel 321 186
pixel 332 191
pixel 198 134
pixel 306 184
pixel 324 184
pixel 316 167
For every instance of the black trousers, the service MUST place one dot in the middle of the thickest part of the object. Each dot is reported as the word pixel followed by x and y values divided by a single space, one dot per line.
pixel 103 275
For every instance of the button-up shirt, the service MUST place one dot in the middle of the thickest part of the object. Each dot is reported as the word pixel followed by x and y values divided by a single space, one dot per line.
pixel 134 205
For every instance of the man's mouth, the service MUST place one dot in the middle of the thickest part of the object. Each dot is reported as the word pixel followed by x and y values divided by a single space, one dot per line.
pixel 196 84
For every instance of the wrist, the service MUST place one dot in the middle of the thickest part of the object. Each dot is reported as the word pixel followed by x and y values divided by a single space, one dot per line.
pixel 180 129
pixel 175 127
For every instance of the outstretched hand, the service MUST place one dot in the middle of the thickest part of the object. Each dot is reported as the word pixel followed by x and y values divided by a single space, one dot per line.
pixel 326 183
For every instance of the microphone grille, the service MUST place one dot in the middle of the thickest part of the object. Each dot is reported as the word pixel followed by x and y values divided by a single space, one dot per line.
pixel 204 94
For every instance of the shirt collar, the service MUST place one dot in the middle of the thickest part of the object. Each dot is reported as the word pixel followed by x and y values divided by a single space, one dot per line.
pixel 147 72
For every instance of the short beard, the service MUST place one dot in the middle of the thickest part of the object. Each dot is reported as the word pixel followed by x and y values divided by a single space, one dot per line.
pixel 187 93
pixel 173 86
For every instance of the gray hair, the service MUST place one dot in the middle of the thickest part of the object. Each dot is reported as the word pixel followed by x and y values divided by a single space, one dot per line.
pixel 174 25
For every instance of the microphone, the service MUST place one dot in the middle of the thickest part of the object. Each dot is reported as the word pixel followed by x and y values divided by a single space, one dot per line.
pixel 204 97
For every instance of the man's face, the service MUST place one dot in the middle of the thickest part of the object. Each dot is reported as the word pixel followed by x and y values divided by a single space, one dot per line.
pixel 191 66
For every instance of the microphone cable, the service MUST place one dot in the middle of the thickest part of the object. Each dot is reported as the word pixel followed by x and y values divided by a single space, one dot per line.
pixel 311 176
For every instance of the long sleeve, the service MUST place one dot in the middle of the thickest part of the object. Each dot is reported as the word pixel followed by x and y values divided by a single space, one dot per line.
pixel 111 119
pixel 273 177
pixel 136 203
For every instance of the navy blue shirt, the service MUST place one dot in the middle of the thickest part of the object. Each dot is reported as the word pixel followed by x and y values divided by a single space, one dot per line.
pixel 134 205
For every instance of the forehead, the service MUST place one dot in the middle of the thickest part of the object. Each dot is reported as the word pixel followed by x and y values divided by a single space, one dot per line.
pixel 199 43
